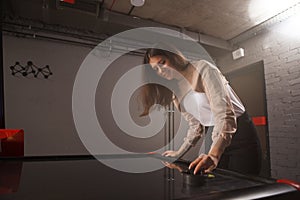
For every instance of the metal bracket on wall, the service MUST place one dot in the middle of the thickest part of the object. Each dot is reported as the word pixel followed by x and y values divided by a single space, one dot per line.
pixel 30 68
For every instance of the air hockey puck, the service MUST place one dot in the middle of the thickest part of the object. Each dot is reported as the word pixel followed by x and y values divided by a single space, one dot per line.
pixel 193 179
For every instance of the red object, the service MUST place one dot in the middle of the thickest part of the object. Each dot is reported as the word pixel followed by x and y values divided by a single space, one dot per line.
pixel 151 153
pixel 289 182
pixel 259 121
pixel 10 176
pixel 69 1
pixel 12 142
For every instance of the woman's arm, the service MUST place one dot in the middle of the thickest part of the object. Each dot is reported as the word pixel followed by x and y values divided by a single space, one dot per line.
pixel 225 124
pixel 194 133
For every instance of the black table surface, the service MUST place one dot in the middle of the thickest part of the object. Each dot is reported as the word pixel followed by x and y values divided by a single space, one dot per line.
pixel 84 177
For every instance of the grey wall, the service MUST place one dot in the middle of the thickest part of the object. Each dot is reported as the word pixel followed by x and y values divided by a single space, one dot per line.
pixel 280 53
pixel 43 107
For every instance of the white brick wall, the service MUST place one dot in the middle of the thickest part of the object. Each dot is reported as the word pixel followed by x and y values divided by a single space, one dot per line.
pixel 281 57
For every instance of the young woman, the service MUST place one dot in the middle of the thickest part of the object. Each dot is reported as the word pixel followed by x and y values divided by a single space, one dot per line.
pixel 204 98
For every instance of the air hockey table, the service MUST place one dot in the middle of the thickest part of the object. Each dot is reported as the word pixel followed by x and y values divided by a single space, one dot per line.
pixel 85 177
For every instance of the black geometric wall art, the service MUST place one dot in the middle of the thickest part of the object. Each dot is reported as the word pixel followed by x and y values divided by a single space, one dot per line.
pixel 30 69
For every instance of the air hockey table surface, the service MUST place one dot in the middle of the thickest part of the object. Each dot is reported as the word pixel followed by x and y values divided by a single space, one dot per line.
pixel 84 177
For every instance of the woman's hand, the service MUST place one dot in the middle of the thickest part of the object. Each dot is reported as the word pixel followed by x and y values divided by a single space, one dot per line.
pixel 171 153
pixel 173 166
pixel 204 162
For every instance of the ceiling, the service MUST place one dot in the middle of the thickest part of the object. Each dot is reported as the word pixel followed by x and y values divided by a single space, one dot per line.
pixel 221 20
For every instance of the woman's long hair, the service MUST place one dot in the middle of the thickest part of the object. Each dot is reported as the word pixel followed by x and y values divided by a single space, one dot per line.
pixel 153 93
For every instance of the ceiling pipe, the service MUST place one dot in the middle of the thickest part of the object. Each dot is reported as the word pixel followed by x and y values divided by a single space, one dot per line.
pixel 208 40
pixel 112 4
pixel 135 22
pixel 105 15
pixel 131 9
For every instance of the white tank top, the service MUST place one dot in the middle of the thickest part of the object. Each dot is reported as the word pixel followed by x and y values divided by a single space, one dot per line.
pixel 197 104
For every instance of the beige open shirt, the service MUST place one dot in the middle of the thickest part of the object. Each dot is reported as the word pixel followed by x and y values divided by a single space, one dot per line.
pixel 224 103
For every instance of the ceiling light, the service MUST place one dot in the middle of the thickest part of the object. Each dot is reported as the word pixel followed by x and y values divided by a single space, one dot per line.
pixel 290 28
pixel 290 12
pixel 137 3
pixel 261 10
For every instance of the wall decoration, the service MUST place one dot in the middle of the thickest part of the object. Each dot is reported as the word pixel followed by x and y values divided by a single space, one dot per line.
pixel 29 69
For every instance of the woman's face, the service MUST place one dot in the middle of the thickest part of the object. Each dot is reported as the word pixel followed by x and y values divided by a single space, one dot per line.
pixel 163 67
